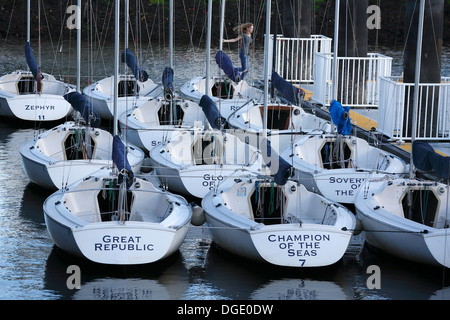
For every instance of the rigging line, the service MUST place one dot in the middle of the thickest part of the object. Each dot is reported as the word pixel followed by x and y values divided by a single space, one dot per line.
pixel 9 23
pixel 106 24
pixel 434 36
pixel 190 32
pixel 324 16
pixel 93 26
pixel 409 28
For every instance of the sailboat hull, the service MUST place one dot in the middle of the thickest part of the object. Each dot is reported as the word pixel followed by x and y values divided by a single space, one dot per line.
pixel 158 121
pixel 101 96
pixel 44 107
pixel 307 231
pixel 380 207
pixel 339 180
pixel 194 181
pixel 229 96
pixel 18 99
pixel 44 158
pixel 156 227
pixel 116 243
pixel 284 245
pixel 405 243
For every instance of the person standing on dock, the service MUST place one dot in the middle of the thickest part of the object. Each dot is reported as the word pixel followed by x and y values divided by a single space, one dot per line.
pixel 244 32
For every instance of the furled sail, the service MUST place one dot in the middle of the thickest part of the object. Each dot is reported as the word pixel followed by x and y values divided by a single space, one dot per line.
pixel 291 93
pixel 426 158
pixel 340 117
pixel 281 170
pixel 35 70
pixel 81 104
pixel 119 157
pixel 224 63
pixel 31 61
pixel 212 113
pixel 140 74
pixel 167 80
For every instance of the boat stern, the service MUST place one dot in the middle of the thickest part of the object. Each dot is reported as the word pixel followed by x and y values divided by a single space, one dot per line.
pixel 125 243
pixel 297 246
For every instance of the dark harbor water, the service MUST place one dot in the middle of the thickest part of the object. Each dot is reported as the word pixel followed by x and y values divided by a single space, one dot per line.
pixel 32 268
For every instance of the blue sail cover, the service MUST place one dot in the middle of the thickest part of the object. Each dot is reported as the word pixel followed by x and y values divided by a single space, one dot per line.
pixel 31 61
pixel 340 117
pixel 81 104
pixel 224 63
pixel 167 80
pixel 426 158
pixel 421 151
pixel 140 74
pixel 212 113
pixel 284 168
pixel 289 92
pixel 119 157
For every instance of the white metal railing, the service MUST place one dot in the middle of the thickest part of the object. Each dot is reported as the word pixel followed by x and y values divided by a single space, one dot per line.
pixel 357 79
pixel 295 57
pixel 396 105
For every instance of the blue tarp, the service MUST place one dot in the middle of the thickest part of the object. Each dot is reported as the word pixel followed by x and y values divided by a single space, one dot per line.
pixel 81 104
pixel 119 157
pixel 284 168
pixel 31 61
pixel 167 80
pixel 426 158
pixel 289 92
pixel 212 113
pixel 139 74
pixel 224 63
pixel 340 117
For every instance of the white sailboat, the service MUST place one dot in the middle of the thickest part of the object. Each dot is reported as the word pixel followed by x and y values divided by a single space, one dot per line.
pixel 409 218
pixel 71 151
pixel 133 89
pixel 285 120
pixel 196 161
pixel 132 92
pixel 33 95
pixel 158 120
pixel 228 95
pixel 83 221
pixel 111 217
pixel 284 225
pixel 162 117
pixel 277 220
pixel 336 165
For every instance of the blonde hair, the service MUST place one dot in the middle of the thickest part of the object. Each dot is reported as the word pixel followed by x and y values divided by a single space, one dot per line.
pixel 240 28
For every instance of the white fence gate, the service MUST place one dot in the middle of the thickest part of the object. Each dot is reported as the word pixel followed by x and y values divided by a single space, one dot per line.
pixel 357 79
pixel 396 105
pixel 295 57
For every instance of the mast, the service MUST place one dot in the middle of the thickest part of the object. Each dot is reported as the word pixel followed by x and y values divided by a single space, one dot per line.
pixel 266 65
pixel 416 81
pixel 336 48
pixel 171 34
pixel 78 26
pixel 208 47
pixel 222 18
pixel 127 21
pixel 116 65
